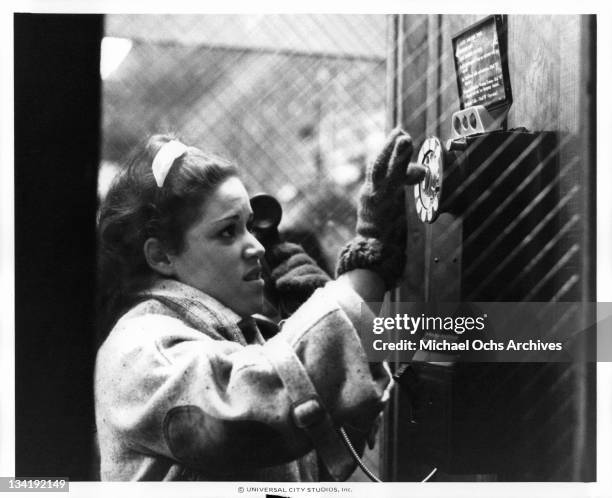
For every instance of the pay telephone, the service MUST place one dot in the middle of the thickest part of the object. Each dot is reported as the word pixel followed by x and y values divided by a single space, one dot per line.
pixel 489 196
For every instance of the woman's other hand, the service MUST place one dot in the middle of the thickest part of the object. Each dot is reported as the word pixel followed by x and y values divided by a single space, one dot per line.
pixel 294 276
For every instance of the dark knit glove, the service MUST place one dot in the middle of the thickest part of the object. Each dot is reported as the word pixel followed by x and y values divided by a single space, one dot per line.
pixel 380 242
pixel 294 276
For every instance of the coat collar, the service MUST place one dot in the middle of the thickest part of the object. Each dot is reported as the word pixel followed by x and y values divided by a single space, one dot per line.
pixel 200 310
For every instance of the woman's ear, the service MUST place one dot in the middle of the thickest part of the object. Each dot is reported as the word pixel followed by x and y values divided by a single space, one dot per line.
pixel 157 258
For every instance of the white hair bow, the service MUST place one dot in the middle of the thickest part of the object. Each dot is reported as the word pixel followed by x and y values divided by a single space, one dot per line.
pixel 165 157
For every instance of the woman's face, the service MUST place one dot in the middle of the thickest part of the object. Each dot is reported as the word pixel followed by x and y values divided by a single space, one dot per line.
pixel 221 257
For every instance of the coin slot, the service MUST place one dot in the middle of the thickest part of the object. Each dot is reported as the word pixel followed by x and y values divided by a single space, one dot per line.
pixel 457 124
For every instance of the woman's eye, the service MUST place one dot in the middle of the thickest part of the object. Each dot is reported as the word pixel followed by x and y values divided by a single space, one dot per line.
pixel 228 232
pixel 249 225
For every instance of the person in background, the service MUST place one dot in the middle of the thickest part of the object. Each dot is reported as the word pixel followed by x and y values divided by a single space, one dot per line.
pixel 186 386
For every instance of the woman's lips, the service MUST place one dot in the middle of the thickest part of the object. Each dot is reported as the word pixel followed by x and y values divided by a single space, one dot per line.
pixel 254 274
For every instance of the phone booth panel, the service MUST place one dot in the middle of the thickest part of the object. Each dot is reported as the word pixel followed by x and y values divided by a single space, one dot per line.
pixel 513 221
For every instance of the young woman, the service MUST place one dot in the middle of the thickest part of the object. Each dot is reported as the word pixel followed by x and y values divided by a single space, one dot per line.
pixel 186 387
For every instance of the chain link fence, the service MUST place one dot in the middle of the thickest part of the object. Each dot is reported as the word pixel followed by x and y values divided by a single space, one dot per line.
pixel 297 102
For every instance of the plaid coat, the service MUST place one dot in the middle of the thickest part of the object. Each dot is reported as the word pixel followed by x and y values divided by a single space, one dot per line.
pixel 184 391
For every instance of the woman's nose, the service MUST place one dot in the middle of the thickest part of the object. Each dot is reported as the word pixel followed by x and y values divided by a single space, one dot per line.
pixel 254 248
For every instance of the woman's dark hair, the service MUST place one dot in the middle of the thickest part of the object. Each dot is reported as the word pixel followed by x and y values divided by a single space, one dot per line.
pixel 135 208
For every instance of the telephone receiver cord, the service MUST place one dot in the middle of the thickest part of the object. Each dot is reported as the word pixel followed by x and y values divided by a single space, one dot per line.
pixel 363 466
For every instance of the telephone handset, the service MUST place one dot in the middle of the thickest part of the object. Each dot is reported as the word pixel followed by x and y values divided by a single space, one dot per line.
pixel 267 215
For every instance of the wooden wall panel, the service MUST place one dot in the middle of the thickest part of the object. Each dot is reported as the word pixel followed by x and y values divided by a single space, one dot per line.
pixel 413 110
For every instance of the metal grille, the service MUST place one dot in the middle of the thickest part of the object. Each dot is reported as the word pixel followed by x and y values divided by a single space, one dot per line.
pixel 297 102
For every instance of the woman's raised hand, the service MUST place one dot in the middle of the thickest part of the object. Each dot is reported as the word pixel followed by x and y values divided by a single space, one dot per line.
pixel 380 242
